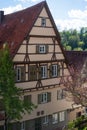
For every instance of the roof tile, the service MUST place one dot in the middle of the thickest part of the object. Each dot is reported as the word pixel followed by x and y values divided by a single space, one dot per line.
pixel 15 27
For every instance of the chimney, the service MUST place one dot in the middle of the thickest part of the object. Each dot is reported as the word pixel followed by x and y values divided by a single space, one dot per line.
pixel 1 16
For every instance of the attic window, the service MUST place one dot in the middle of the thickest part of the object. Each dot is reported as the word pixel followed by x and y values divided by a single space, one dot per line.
pixel 43 22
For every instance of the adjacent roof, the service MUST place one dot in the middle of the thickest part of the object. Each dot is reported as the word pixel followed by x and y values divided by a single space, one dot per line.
pixel 76 59
pixel 16 26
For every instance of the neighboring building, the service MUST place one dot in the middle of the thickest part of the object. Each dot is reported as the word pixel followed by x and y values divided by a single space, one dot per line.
pixel 40 66
pixel 76 59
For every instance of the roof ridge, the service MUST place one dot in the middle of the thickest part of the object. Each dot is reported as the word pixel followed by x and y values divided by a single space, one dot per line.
pixel 24 9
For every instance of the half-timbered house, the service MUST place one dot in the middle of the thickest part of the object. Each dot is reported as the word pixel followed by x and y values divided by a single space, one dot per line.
pixel 40 65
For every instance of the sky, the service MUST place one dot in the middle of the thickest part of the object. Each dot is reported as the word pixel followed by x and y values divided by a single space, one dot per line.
pixel 67 14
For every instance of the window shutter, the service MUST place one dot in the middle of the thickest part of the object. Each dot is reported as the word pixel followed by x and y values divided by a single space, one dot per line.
pixel 46 46
pixel 37 49
pixel 27 98
pixel 39 98
pixel 49 97
pixel 23 75
pixel 50 71
pixel 32 72
pixel 60 94
pixel 58 73
pixel 39 73
pixel 64 93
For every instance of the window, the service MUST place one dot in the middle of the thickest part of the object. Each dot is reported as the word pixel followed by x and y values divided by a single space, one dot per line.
pixel 61 116
pixel 43 72
pixel 54 70
pixel 42 49
pixel 78 114
pixel 18 74
pixel 55 118
pixel 45 120
pixel 23 125
pixel 44 97
pixel 43 22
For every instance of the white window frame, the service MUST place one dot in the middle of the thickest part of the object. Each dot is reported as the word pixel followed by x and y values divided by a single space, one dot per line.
pixel 54 70
pixel 42 49
pixel 55 118
pixel 45 120
pixel 44 98
pixel 23 125
pixel 62 116
pixel 43 22
pixel 18 74
pixel 43 72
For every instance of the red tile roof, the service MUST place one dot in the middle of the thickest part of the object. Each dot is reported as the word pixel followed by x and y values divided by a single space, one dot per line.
pixel 16 26
pixel 76 59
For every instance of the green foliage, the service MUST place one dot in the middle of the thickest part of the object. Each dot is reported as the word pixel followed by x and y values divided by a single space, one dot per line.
pixel 74 39
pixel 78 49
pixel 13 104
pixel 69 48
pixel 71 125
pixel 80 123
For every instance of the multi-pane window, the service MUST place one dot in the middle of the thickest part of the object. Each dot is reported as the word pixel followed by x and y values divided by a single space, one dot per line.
pixel 42 49
pixel 23 125
pixel 43 71
pixel 54 70
pixel 44 97
pixel 45 120
pixel 62 116
pixel 20 73
pixel 54 118
pixel 43 22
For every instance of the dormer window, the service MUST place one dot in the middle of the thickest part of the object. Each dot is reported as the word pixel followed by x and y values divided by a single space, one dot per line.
pixel 43 22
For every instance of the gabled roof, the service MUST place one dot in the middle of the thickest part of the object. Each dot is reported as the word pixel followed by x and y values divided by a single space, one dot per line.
pixel 76 59
pixel 16 26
